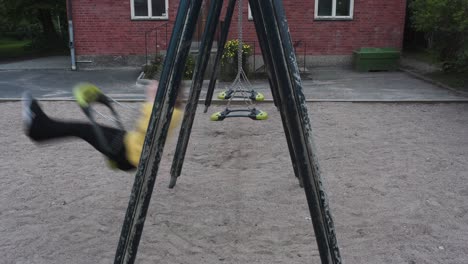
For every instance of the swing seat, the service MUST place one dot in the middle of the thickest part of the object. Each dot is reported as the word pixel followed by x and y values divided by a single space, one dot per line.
pixel 218 116
pixel 253 114
pixel 254 96
pixel 261 115
pixel 112 164
pixel 87 93
pixel 225 94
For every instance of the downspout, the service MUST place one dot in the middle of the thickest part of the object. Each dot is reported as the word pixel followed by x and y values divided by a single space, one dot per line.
pixel 71 35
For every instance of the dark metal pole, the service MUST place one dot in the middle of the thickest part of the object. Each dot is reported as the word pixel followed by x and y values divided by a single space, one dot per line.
pixel 219 54
pixel 293 104
pixel 266 54
pixel 157 131
pixel 197 83
pixel 267 58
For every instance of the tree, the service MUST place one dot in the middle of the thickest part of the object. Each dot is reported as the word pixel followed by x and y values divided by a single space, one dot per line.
pixel 36 11
pixel 5 24
pixel 446 24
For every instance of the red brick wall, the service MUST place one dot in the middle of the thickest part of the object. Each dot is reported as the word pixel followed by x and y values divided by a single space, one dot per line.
pixel 104 27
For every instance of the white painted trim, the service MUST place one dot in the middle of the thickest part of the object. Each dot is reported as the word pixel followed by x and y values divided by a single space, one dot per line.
pixel 167 9
pixel 132 9
pixel 315 9
pixel 250 12
pixel 333 8
pixel 149 17
pixel 334 16
pixel 150 8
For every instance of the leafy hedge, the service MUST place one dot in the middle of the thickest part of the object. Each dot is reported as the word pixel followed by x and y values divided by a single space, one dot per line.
pixel 229 60
pixel 445 23
pixel 153 69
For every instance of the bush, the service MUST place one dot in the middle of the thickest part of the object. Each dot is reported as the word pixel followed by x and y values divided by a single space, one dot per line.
pixel 445 23
pixel 154 68
pixel 229 60
pixel 189 67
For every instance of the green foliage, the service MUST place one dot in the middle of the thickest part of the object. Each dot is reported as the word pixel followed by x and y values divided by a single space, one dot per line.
pixel 5 24
pixel 11 48
pixel 231 50
pixel 152 69
pixel 457 80
pixel 445 23
pixel 189 67
pixel 229 60
pixel 42 21
pixel 18 10
pixel 440 15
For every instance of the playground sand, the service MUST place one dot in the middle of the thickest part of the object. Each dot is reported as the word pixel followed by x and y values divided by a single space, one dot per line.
pixel 396 176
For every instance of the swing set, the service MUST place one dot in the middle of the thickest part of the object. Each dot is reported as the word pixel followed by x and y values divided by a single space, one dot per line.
pixel 285 83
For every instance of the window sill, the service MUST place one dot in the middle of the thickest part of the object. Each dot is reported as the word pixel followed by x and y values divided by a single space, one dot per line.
pixel 148 18
pixel 333 18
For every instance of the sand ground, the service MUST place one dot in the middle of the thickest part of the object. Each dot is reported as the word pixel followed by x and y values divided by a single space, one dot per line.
pixel 396 176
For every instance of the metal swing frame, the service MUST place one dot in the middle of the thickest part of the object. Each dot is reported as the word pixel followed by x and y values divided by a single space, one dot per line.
pixel 285 83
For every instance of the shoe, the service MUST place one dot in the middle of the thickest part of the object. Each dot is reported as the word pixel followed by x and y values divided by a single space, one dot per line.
pixel 32 115
pixel 28 114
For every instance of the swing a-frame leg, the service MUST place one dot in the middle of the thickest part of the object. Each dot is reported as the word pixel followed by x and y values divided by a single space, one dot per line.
pixel 195 90
pixel 294 112
pixel 284 78
pixel 171 76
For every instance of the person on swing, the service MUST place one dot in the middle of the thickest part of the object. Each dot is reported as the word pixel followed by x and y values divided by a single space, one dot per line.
pixel 124 147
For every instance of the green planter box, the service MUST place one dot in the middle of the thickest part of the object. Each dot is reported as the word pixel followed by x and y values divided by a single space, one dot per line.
pixel 376 59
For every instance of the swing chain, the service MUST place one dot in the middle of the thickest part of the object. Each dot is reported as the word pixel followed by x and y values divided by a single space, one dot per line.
pixel 240 39
pixel 241 85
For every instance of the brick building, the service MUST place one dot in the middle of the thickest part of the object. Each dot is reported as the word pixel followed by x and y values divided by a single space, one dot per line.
pixel 124 32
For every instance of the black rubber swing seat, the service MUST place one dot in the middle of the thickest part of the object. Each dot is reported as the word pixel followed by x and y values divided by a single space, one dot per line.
pixel 253 114
pixel 253 95
pixel 87 94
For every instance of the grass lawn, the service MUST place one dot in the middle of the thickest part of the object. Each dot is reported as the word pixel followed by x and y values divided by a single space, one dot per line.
pixel 10 48
pixel 457 80
pixel 420 55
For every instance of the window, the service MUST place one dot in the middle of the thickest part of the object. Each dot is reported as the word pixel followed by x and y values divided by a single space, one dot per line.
pixel 334 9
pixel 149 9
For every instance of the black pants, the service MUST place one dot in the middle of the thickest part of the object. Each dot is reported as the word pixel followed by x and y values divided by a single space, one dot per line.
pixel 49 129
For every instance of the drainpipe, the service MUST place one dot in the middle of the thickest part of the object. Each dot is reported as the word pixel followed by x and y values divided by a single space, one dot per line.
pixel 71 35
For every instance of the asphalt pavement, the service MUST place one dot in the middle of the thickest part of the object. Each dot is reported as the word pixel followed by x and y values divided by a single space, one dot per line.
pixel 328 83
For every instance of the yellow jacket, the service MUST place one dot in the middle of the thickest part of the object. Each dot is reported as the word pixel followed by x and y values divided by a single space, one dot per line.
pixel 135 139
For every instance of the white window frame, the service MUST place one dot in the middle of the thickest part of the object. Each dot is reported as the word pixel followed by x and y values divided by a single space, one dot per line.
pixel 334 16
pixel 150 10
pixel 250 12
